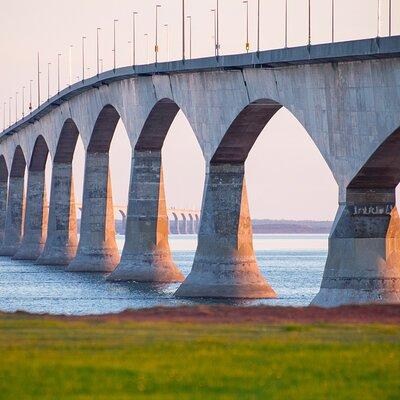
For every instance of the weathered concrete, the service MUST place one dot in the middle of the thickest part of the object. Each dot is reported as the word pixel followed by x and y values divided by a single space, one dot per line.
pixel 62 239
pixel 174 225
pixel 225 264
pixel 3 208
pixel 14 217
pixel 183 229
pixel 35 227
pixel 146 256
pixel 363 264
pixel 97 249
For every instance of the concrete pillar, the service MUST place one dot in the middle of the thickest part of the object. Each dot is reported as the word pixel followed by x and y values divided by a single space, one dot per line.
pixel 363 264
pixel 35 226
pixel 225 265
pixel 147 256
pixel 183 225
pixel 174 225
pixel 14 216
pixel 97 249
pixel 3 208
pixel 62 238
pixel 190 225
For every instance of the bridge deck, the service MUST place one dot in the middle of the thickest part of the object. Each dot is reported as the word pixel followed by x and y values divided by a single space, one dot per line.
pixel 376 48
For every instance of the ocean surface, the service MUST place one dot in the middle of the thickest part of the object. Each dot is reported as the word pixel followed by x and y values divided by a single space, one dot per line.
pixel 293 265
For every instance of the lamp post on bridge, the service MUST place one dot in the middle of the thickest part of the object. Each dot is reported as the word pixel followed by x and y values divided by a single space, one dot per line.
pixel 30 96
pixel 309 22
pixel 48 81
pixel 333 21
pixel 166 26
pixel 83 58
pixel 38 78
pixel 258 27
pixel 23 101
pixel 247 46
pixel 390 17
pixel 134 38
pixel 215 31
pixel 70 65
pixel 58 72
pixel 156 41
pixel 146 35
pixel 9 111
pixel 115 44
pixel 217 28
pixel 16 106
pixel 286 23
pixel 98 50
pixel 183 31
pixel 189 17
pixel 4 115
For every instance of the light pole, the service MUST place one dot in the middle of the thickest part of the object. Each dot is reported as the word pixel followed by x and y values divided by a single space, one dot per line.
pixel 333 21
pixel 30 96
pixel 38 78
pixel 115 44
pixel 16 106
pixel 58 72
pixel 183 31
pixel 286 23
pixel 23 101
pixel 309 22
pixel 83 58
pixel 258 26
pixel 189 17
pixel 98 50
pixel 215 31
pixel 134 38
pixel 390 17
pixel 4 116
pixel 70 65
pixel 146 35
pixel 156 45
pixel 379 18
pixel 167 32
pixel 9 111
pixel 217 12
pixel 48 81
pixel 246 3
pixel 101 65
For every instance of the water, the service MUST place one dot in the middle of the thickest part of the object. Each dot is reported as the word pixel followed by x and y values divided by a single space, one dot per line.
pixel 293 264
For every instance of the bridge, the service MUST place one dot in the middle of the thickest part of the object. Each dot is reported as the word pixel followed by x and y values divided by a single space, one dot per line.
pixel 181 221
pixel 347 97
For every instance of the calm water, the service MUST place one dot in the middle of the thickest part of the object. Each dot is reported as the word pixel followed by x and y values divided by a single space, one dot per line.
pixel 293 264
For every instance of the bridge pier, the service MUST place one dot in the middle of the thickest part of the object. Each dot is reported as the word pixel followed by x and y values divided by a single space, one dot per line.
pixel 14 216
pixel 146 256
pixel 62 239
pixel 35 226
pixel 174 225
pixel 3 207
pixel 97 249
pixel 363 264
pixel 225 265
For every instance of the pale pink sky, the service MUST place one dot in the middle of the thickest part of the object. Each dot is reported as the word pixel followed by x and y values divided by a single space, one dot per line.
pixel 286 176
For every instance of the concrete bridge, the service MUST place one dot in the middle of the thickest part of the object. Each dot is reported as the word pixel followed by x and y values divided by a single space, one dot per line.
pixel 180 220
pixel 347 97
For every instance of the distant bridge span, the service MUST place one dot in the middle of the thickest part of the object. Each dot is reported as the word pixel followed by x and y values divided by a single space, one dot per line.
pixel 347 97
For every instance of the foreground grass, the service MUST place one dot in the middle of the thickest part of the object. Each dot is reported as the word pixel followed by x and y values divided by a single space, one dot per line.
pixel 54 359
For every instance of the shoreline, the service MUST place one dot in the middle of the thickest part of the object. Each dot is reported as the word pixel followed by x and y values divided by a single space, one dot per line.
pixel 221 314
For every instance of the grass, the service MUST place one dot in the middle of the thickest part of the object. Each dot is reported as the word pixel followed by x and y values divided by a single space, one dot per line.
pixel 42 358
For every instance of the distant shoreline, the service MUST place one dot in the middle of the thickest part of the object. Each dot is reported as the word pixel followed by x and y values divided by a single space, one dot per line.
pixel 288 226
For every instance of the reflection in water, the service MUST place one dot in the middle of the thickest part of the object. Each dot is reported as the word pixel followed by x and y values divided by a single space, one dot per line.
pixel 293 264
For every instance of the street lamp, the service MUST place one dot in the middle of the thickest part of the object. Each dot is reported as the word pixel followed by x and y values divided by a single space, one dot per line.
pixel 146 35
pixel 258 26
pixel 23 101
pixel 58 72
pixel 30 96
pixel 70 65
pixel 83 58
pixel 48 81
pixel 4 116
pixel 16 107
pixel 286 23
pixel 9 111
pixel 167 32
pixel 134 38
pixel 101 65
pixel 379 18
pixel 38 78
pixel 309 22
pixel 156 45
pixel 333 21
pixel 183 31
pixel 246 3
pixel 215 31
pixel 115 44
pixel 390 17
pixel 98 50
pixel 189 17
pixel 217 28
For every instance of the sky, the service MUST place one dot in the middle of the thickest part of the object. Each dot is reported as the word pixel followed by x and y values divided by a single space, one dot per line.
pixel 286 176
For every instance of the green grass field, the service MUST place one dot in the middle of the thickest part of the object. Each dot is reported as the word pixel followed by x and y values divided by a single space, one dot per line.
pixel 54 359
